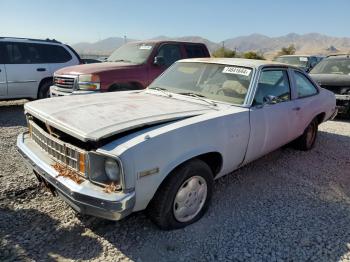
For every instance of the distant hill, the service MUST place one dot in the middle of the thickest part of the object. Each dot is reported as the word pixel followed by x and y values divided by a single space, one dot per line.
pixel 312 43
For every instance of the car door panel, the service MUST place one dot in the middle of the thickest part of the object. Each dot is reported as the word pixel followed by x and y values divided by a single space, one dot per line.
pixel 24 69
pixel 271 128
pixel 271 122
pixel 23 79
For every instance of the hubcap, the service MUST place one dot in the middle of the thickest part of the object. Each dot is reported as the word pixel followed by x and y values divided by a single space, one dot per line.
pixel 190 198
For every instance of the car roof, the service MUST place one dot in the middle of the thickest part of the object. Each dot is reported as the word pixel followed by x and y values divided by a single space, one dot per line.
pixel 155 41
pixel 29 40
pixel 238 62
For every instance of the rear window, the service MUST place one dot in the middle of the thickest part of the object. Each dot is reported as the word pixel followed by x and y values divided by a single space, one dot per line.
pixel 31 53
pixel 56 54
pixel 193 51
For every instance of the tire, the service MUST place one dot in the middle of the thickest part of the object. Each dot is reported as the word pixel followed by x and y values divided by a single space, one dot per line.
pixel 44 89
pixel 166 207
pixel 307 140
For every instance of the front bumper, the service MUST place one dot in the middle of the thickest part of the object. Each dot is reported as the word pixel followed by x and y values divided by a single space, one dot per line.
pixel 56 91
pixel 85 198
pixel 343 103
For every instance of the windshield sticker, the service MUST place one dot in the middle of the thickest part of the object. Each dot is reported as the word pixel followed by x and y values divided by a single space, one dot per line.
pixel 303 59
pixel 145 47
pixel 236 70
pixel 187 69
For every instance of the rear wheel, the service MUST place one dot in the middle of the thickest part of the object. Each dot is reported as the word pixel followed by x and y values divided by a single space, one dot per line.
pixel 44 89
pixel 184 197
pixel 307 140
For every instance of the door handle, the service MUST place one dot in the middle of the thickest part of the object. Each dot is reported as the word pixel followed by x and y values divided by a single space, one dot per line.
pixel 41 69
pixel 296 108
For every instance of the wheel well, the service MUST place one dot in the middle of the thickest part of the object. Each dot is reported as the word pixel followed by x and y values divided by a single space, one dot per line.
pixel 320 117
pixel 212 159
pixel 44 80
pixel 125 86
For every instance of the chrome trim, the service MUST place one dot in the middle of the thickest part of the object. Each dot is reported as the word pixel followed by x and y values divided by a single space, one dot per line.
pixel 60 151
pixel 22 81
pixel 342 97
pixel 112 206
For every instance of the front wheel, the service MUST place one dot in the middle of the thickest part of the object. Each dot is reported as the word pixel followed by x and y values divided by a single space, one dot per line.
pixel 307 140
pixel 184 197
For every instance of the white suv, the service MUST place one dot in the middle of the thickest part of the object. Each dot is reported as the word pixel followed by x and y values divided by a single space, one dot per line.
pixel 27 66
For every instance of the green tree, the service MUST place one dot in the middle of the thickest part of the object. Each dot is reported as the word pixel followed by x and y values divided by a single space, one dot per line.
pixel 224 52
pixel 290 50
pixel 253 55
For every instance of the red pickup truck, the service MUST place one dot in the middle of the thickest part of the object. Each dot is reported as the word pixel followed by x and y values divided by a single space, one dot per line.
pixel 132 66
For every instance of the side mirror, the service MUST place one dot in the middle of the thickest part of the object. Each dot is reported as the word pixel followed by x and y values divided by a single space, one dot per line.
pixel 270 100
pixel 159 60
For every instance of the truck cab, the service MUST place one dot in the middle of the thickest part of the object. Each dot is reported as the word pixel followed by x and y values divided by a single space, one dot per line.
pixel 133 66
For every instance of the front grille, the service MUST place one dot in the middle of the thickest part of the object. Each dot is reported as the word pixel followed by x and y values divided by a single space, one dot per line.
pixel 64 82
pixel 59 151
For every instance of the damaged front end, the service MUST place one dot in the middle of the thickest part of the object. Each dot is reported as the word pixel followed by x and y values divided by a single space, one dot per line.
pixel 90 182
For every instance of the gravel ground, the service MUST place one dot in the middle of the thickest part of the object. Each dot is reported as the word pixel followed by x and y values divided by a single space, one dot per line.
pixel 288 205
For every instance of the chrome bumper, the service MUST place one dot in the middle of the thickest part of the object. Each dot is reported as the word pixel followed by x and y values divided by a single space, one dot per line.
pixel 85 198
pixel 342 97
pixel 56 91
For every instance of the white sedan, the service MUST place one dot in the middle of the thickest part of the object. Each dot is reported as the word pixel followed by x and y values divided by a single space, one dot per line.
pixel 160 149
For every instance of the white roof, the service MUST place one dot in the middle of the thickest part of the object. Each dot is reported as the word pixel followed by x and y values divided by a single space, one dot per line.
pixel 235 61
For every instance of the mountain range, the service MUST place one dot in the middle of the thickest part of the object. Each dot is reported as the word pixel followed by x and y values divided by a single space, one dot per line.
pixel 312 43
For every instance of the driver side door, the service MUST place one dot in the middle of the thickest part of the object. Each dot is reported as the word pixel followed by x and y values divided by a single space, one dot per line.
pixel 271 122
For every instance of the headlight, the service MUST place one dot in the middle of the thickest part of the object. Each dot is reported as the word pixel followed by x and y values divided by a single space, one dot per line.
pixel 89 82
pixel 112 169
pixel 104 169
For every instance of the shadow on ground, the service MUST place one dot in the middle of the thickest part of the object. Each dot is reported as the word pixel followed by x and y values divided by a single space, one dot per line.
pixel 12 115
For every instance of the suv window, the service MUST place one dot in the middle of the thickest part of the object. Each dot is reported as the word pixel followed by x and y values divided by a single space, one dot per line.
pixel 171 53
pixel 274 83
pixel 31 53
pixel 304 85
pixel 55 54
pixel 193 51
pixel 2 54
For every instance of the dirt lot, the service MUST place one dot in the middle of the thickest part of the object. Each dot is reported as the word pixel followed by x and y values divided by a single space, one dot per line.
pixel 289 205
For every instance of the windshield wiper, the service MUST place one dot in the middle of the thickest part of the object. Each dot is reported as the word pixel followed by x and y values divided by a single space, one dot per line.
pixel 162 89
pixel 199 96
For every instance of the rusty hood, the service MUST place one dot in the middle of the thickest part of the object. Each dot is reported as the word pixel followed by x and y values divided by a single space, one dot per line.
pixel 97 116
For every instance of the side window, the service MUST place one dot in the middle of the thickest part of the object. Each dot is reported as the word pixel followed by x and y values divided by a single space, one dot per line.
pixel 171 53
pixel 23 53
pixel 56 54
pixel 304 85
pixel 272 83
pixel 194 51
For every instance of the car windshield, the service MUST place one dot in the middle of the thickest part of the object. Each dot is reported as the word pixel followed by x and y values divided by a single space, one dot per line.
pixel 293 60
pixel 224 83
pixel 333 66
pixel 136 53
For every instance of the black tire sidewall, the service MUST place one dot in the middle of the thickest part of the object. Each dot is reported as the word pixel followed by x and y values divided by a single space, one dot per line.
pixel 178 177
pixel 44 90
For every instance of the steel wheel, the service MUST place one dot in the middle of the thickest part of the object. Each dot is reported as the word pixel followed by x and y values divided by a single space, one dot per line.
pixel 190 198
